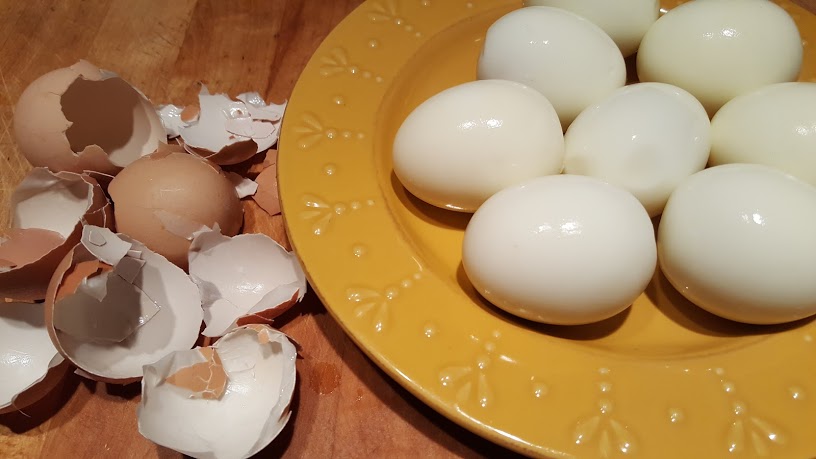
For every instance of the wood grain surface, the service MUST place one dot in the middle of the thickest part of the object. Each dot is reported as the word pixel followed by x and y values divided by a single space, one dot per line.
pixel 344 406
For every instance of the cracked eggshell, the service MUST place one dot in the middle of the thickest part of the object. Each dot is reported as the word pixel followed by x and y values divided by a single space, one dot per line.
pixel 185 407
pixel 114 306
pixel 223 130
pixel 84 118
pixel 48 211
pixel 163 198
pixel 266 195
pixel 245 279
pixel 30 365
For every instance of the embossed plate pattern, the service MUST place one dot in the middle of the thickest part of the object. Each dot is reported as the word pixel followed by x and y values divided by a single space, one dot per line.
pixel 663 379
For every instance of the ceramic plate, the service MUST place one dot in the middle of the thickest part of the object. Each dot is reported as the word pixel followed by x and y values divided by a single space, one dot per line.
pixel 662 379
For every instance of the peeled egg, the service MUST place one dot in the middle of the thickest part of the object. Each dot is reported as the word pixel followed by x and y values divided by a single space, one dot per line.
pixel 83 118
pixel 563 249
pixel 462 145
pixel 645 138
pixel 625 21
pixel 719 49
pixel 162 199
pixel 562 55
pixel 739 241
pixel 774 125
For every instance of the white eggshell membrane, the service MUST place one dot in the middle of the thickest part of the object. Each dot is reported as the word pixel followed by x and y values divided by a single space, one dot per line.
pixel 223 122
pixel 562 249
pixel 462 145
pixel 739 240
pixel 625 21
pixel 241 277
pixel 259 363
pixel 47 212
pixel 562 55
pixel 56 202
pixel 719 49
pixel 120 320
pixel 774 125
pixel 26 351
pixel 645 138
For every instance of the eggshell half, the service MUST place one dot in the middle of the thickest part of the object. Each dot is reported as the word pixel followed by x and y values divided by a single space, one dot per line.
pixel 48 211
pixel 185 407
pixel 163 198
pixel 110 319
pixel 245 279
pixel 84 118
pixel 30 365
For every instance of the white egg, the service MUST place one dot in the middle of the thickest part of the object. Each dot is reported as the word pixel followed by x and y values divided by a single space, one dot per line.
pixel 625 21
pixel 739 241
pixel 645 138
pixel 462 145
pixel 719 49
pixel 563 249
pixel 774 125
pixel 564 56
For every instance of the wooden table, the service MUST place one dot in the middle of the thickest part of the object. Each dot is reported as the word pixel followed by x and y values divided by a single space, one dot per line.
pixel 344 406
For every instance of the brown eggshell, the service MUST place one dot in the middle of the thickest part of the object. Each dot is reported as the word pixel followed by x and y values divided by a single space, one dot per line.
pixel 189 189
pixel 267 195
pixel 38 391
pixel 83 118
pixel 32 254
pixel 235 153
pixel 173 326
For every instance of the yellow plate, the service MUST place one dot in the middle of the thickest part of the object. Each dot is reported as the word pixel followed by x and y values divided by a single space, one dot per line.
pixel 663 379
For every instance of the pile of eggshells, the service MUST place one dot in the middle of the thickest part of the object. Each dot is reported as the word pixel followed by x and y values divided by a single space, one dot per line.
pixel 581 185
pixel 123 244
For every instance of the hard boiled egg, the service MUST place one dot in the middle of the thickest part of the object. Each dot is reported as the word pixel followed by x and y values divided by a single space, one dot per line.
pixel 462 145
pixel 719 49
pixel 739 241
pixel 562 249
pixel 626 21
pixel 645 138
pixel 774 125
pixel 564 56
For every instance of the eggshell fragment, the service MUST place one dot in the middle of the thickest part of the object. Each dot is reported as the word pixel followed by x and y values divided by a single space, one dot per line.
pixel 48 211
pixel 244 186
pixel 225 131
pixel 266 196
pixel 84 118
pixel 259 370
pixel 245 279
pixel 111 319
pixel 163 198
pixel 30 365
